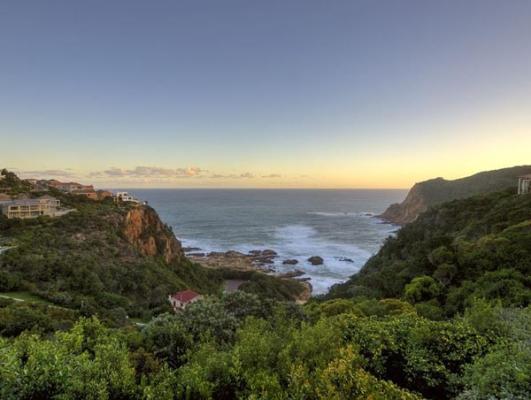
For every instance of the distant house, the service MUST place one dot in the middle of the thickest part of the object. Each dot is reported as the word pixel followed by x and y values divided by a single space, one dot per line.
pixel 103 194
pixel 524 184
pixel 125 197
pixel 89 194
pixel 30 208
pixel 70 187
pixel 180 300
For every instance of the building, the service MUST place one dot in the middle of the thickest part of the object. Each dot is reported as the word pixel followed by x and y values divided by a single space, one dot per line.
pixel 103 194
pixel 524 184
pixel 69 187
pixel 180 300
pixel 125 197
pixel 30 208
pixel 89 194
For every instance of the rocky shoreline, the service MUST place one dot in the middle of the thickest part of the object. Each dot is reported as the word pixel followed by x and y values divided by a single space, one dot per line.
pixel 255 260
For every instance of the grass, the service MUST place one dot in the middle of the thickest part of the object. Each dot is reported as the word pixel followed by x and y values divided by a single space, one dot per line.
pixel 138 321
pixel 25 296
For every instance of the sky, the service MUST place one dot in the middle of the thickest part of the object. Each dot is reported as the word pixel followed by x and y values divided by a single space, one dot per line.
pixel 316 94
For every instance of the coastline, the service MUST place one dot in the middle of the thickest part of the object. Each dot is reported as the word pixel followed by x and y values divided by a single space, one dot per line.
pixel 270 262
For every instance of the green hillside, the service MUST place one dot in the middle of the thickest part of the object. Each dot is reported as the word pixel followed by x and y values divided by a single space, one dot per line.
pixel 436 191
pixel 113 261
pixel 82 261
pixel 454 252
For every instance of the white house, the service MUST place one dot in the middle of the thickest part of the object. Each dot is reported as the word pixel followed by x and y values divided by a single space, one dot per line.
pixel 524 184
pixel 125 197
pixel 31 208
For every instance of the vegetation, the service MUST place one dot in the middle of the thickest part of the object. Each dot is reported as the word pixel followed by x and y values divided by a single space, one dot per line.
pixel 436 191
pixel 240 346
pixel 441 312
pixel 82 261
pixel 478 247
pixel 439 190
pixel 11 184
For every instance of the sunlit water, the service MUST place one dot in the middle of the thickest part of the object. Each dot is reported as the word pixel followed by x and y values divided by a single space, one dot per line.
pixel 333 224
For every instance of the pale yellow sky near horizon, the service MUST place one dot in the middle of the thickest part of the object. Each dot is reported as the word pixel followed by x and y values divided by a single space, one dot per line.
pixel 398 163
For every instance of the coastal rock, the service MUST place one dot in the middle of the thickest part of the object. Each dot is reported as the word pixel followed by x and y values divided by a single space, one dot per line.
pixel 234 253
pixel 291 261
pixel 143 228
pixel 269 253
pixel 191 249
pixel 346 259
pixel 262 261
pixel 292 274
pixel 316 260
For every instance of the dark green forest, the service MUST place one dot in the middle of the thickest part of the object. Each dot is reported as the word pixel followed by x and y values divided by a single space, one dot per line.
pixel 440 312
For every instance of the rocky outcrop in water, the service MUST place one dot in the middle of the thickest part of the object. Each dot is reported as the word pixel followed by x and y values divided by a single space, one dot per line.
pixel 316 260
pixel 255 260
pixel 291 261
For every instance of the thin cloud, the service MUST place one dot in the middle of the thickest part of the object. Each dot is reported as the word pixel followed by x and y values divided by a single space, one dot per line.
pixel 56 173
pixel 150 172
pixel 244 175
pixel 272 176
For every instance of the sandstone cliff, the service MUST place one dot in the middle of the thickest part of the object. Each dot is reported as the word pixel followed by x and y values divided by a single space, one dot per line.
pixel 435 191
pixel 143 228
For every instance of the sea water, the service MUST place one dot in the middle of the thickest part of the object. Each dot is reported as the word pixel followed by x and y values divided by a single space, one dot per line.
pixel 338 225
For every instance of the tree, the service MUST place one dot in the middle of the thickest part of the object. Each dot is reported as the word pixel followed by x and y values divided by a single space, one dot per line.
pixel 422 288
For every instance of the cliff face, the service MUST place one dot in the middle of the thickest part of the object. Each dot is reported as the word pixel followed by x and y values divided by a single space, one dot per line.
pixel 143 229
pixel 436 191
pixel 409 209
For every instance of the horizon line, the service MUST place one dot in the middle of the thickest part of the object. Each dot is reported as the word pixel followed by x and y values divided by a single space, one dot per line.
pixel 249 188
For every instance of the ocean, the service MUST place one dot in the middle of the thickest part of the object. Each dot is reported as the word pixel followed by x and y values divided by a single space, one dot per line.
pixel 338 225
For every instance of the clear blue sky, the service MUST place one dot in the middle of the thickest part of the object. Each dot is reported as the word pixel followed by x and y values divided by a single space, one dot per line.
pixel 264 93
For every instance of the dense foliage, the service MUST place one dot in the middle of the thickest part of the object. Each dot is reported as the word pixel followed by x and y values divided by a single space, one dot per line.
pixel 82 261
pixel 11 184
pixel 240 346
pixel 478 247
pixel 441 312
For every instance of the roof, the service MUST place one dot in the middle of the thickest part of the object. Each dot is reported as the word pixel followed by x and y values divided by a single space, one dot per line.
pixel 185 296
pixel 528 176
pixel 28 202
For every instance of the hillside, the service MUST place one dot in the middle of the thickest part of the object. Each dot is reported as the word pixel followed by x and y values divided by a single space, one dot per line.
pixel 103 259
pixel 436 191
pixel 453 253
pixel 114 261
pixel 439 313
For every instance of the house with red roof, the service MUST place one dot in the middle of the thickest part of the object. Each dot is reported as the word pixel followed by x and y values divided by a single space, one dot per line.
pixel 180 300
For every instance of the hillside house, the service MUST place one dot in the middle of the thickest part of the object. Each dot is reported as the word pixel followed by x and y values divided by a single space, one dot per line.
pixel 524 184
pixel 125 197
pixel 180 300
pixel 70 187
pixel 103 194
pixel 89 194
pixel 30 208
